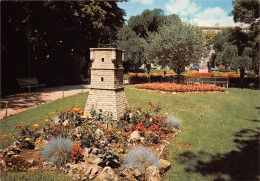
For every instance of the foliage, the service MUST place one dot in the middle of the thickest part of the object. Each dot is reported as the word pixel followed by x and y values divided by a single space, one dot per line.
pixel 172 87
pixel 140 157
pixel 109 158
pixel 50 37
pixel 232 50
pixel 245 11
pixel 176 46
pixel 27 136
pixel 57 151
pixel 76 155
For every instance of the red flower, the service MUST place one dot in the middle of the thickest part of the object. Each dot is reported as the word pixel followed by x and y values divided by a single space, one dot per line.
pixel 150 103
pixel 99 126
pixel 123 134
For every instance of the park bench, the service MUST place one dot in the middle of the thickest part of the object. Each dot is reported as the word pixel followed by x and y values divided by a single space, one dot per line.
pixel 29 83
pixel 215 80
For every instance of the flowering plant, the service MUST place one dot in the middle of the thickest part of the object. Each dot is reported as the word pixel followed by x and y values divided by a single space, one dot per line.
pixel 76 154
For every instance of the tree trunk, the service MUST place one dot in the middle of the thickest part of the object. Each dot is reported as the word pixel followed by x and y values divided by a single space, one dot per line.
pixel 242 73
pixel 148 67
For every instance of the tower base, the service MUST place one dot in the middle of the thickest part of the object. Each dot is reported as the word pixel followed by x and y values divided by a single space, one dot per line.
pixel 111 100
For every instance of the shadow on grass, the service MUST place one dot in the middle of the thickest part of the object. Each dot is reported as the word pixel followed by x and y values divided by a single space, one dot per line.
pixel 235 165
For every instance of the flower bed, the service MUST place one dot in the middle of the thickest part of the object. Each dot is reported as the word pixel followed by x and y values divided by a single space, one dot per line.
pixel 73 141
pixel 172 87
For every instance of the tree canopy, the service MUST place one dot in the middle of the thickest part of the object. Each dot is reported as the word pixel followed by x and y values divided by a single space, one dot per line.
pixel 51 39
pixel 134 36
pixel 176 46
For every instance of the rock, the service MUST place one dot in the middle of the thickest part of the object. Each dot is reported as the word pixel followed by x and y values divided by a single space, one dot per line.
pixel 132 173
pixel 85 153
pixel 34 168
pixel 30 162
pixel 107 174
pixel 93 173
pixel 48 166
pixel 94 151
pixel 135 136
pixel 164 165
pixel 93 159
pixel 152 173
pixel 99 134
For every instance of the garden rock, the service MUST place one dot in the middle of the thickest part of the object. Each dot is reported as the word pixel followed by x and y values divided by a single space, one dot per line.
pixel 99 134
pixel 152 173
pixel 48 166
pixel 164 165
pixel 132 173
pixel 107 174
pixel 93 172
pixel 135 136
pixel 93 159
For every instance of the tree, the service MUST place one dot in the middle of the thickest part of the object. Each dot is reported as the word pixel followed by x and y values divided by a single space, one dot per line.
pixel 51 39
pixel 245 11
pixel 144 26
pixel 176 46
pixel 133 46
pixel 248 12
pixel 232 50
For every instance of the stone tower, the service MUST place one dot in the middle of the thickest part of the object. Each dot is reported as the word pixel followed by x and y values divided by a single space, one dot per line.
pixel 106 89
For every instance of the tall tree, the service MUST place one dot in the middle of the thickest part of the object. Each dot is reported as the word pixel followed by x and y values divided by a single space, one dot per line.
pixel 248 12
pixel 49 39
pixel 232 50
pixel 176 46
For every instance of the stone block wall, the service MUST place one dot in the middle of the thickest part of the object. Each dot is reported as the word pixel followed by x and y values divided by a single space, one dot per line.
pixel 107 91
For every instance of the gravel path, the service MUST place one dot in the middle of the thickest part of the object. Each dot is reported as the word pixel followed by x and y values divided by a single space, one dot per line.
pixel 24 101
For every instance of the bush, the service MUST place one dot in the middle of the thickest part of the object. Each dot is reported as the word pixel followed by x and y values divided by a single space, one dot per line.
pixel 57 151
pixel 174 121
pixel 140 157
pixel 109 158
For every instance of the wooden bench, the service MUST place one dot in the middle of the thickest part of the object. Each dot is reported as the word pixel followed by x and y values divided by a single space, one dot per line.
pixel 215 80
pixel 29 83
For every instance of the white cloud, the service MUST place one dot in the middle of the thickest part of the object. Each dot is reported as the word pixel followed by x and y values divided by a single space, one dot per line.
pixel 211 16
pixel 145 2
pixel 181 7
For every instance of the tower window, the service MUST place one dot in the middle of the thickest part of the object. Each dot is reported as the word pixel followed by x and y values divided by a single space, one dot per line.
pixel 102 79
pixel 102 59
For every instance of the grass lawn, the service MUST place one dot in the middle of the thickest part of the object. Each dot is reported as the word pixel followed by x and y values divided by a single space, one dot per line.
pixel 219 138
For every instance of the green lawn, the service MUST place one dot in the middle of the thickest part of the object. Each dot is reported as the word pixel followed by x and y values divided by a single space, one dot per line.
pixel 219 138
pixel 36 116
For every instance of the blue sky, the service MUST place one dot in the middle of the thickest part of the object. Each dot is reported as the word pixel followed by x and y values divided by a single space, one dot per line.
pixel 200 12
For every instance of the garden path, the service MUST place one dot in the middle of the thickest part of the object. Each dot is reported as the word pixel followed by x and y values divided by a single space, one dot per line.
pixel 24 101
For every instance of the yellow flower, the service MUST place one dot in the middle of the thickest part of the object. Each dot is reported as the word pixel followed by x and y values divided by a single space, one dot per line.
pixel 119 132
pixel 78 135
pixel 35 125
pixel 27 139
pixel 89 122
pixel 87 115
pixel 46 120
pixel 74 117
pixel 82 117
pixel 142 138
pixel 166 113
pixel 120 150
pixel 37 141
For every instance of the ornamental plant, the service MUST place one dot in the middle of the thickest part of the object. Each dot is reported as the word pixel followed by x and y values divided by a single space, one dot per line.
pixel 109 158
pixel 172 87
pixel 57 151
pixel 28 135
pixel 76 154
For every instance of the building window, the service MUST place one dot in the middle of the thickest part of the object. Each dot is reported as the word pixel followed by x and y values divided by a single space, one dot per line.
pixel 102 59
pixel 102 79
